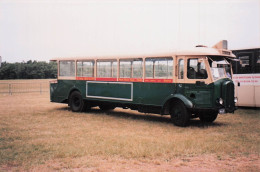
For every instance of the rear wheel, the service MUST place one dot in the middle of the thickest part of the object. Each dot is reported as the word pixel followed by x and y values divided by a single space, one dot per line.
pixel 77 104
pixel 180 115
pixel 208 116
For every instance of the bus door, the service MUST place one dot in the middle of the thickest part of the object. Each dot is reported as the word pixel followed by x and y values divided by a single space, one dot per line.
pixel 245 90
pixel 196 80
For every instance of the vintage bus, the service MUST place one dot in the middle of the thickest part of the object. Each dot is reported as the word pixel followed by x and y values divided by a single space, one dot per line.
pixel 184 84
pixel 247 77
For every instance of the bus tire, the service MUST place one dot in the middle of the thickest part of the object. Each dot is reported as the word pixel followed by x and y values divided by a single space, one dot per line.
pixel 180 115
pixel 208 116
pixel 77 104
pixel 106 107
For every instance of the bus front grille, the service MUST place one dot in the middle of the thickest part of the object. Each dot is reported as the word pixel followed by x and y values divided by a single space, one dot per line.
pixel 228 95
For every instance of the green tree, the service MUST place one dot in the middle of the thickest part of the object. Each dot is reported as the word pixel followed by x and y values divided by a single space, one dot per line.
pixel 29 70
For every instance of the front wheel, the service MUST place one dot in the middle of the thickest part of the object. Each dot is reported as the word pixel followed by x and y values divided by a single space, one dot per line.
pixel 180 115
pixel 208 116
pixel 76 102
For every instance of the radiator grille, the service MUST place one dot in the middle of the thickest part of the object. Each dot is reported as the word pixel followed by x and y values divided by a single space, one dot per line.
pixel 228 94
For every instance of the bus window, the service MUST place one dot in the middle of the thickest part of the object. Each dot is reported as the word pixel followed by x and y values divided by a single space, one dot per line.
pixel 79 68
pixel 66 68
pixel 148 68
pixel 180 67
pixel 85 68
pixel 125 69
pixel 246 64
pixel 114 69
pixel 227 69
pixel 138 68
pixel 158 67
pixel 163 68
pixel 196 69
pixel 131 68
pixel 107 69
pixel 257 64
pixel 244 60
pixel 220 68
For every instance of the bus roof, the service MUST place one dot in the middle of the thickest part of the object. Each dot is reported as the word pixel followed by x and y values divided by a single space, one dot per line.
pixel 198 51
pixel 250 48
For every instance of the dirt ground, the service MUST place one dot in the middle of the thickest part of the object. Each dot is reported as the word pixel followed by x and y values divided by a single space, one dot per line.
pixel 36 135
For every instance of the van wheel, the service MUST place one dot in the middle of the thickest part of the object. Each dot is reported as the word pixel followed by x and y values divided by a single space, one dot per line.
pixel 76 102
pixel 106 107
pixel 180 115
pixel 209 116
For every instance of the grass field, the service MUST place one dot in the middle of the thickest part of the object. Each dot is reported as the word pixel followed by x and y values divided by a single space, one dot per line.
pixel 36 135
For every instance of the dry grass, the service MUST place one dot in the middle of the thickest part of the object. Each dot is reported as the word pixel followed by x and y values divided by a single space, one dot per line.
pixel 38 135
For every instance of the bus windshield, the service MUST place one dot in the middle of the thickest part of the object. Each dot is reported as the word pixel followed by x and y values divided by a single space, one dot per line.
pixel 218 73
pixel 220 68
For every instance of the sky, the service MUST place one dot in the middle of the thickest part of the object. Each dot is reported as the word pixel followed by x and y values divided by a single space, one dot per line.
pixel 44 29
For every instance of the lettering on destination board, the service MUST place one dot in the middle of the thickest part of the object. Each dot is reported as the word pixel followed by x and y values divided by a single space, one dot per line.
pixel 159 80
pixel 85 78
pixel 247 79
pixel 130 79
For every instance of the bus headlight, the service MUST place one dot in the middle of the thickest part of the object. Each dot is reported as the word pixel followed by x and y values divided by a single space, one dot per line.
pixel 220 101
pixel 235 99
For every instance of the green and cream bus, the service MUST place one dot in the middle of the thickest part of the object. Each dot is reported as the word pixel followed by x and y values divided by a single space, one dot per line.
pixel 185 84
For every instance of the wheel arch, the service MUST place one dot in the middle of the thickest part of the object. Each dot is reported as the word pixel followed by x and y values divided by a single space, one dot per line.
pixel 173 98
pixel 71 91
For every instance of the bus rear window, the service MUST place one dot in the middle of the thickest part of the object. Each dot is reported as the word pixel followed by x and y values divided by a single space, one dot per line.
pixel 67 68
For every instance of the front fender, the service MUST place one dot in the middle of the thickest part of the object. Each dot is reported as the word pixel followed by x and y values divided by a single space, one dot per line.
pixel 180 97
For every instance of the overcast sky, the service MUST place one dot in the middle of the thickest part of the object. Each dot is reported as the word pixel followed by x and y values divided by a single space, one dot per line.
pixel 40 30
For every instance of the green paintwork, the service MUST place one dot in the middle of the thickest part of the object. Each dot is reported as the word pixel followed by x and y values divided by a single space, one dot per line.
pixel 195 96
pixel 188 103
pixel 152 93
pixel 109 90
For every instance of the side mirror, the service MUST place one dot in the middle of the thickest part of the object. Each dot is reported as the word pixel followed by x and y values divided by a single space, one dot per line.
pixel 238 84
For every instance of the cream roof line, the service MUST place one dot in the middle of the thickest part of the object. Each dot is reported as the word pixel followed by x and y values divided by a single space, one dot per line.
pixel 197 51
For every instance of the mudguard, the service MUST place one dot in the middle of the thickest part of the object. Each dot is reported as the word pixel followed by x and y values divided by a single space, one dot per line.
pixel 180 97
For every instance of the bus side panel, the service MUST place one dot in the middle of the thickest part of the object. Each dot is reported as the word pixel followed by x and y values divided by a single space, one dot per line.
pixel 201 96
pixel 152 93
pixel 257 96
pixel 245 94
pixel 127 92
pixel 121 91
pixel 60 91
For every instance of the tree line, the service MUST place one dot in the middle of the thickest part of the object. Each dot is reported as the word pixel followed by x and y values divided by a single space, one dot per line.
pixel 28 70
